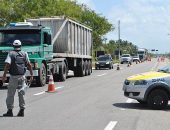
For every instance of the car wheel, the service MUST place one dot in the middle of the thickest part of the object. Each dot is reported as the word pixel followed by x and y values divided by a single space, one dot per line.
pixel 110 66
pixel 158 99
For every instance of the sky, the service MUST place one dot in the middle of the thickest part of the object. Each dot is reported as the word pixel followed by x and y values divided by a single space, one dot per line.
pixel 145 23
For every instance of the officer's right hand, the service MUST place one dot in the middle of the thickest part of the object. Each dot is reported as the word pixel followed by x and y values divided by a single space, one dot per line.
pixel 31 79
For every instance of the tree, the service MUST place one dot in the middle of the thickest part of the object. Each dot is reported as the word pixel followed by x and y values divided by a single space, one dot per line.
pixel 19 10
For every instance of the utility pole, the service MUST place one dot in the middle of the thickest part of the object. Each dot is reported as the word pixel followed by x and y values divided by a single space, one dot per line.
pixel 119 38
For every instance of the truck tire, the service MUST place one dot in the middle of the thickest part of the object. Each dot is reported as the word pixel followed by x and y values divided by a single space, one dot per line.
pixel 76 72
pixel 89 67
pixel 63 72
pixel 81 69
pixel 42 78
pixel 86 67
pixel 158 99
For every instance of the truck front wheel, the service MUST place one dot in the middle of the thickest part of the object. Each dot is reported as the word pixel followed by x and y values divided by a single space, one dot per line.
pixel 158 99
pixel 41 79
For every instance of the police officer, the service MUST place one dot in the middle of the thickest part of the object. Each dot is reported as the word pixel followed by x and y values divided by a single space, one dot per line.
pixel 16 63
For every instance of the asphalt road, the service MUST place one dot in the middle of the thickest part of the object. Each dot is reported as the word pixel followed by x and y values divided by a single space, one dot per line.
pixel 93 102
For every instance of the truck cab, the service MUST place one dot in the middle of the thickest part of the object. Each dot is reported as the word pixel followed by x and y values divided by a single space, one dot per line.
pixel 36 41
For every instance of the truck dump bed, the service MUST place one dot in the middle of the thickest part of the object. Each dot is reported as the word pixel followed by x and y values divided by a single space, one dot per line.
pixel 69 37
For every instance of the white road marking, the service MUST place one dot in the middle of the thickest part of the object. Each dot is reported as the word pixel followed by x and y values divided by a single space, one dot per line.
pixel 45 91
pixel 39 93
pixel 102 74
pixel 129 100
pixel 111 125
pixel 59 87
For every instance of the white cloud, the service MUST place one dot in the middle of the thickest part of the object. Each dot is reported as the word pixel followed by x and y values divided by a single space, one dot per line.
pixel 144 22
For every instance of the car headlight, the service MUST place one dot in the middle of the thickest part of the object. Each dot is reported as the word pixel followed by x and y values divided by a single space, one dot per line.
pixel 107 62
pixel 97 62
pixel 140 82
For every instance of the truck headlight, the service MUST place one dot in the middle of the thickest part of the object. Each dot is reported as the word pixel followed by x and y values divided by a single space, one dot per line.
pixel 140 82
pixel 107 62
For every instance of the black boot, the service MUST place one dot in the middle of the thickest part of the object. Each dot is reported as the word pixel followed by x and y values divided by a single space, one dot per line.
pixel 21 113
pixel 9 113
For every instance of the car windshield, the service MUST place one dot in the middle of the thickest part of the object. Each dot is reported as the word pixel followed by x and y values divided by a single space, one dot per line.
pixel 125 55
pixel 27 37
pixel 165 69
pixel 103 58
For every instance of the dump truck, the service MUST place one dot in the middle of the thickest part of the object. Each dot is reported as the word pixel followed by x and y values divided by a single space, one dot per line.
pixel 54 45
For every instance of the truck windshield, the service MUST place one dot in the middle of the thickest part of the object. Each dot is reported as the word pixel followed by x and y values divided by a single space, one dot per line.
pixel 27 37
pixel 141 52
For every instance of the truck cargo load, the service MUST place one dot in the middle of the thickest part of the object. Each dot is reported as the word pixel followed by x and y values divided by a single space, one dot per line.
pixel 68 36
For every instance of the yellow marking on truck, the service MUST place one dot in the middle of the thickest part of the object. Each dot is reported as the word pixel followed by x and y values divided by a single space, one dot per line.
pixel 148 75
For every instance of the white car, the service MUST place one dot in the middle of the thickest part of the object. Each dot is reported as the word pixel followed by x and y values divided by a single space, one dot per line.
pixel 126 58
pixel 136 59
pixel 152 88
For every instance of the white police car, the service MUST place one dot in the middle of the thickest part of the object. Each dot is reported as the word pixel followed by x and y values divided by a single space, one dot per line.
pixel 152 88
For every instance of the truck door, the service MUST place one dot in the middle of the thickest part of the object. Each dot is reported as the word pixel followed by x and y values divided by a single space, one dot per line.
pixel 48 48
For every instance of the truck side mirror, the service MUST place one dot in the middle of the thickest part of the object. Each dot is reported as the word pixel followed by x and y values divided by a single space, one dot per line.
pixel 47 38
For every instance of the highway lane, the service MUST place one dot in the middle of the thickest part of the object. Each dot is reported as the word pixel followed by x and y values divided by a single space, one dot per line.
pixel 93 102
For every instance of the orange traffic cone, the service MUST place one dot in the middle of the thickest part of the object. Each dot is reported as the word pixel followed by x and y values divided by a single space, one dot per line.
pixel 128 64
pixel 51 85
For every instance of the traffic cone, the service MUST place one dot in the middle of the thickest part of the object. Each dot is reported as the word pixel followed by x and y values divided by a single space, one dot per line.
pixel 118 67
pixel 128 65
pixel 51 85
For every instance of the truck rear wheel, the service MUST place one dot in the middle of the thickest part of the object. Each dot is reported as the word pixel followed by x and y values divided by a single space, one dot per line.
pixel 158 99
pixel 81 69
pixel 86 67
pixel 42 78
pixel 63 72
pixel 89 67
